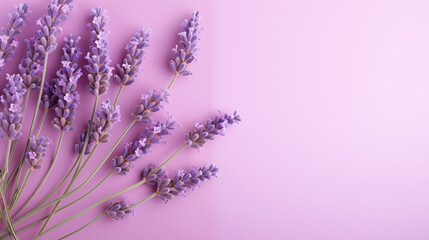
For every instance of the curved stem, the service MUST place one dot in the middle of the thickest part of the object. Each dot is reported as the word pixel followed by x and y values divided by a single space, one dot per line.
pixel 172 81
pixel 41 123
pixel 84 226
pixel 117 95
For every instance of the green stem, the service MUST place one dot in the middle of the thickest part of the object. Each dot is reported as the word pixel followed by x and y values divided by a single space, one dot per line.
pixel 6 216
pixel 6 166
pixel 117 96
pixel 21 189
pixel 169 159
pixel 84 226
pixel 142 201
pixel 41 123
pixel 172 81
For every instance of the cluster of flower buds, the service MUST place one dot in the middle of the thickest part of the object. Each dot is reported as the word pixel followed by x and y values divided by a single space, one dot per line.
pixel 11 116
pixel 117 210
pixel 98 58
pixel 151 103
pixel 185 52
pixel 127 72
pixel 30 66
pixel 8 42
pixel 134 150
pixel 203 132
pixel 36 151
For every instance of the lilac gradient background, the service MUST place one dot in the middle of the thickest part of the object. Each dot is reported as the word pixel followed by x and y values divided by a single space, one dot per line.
pixel 334 97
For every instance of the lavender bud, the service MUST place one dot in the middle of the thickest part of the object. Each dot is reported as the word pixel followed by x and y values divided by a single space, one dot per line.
pixel 8 42
pixel 151 103
pixel 127 72
pixel 185 52
pixel 36 152
pixel 30 66
pixel 117 210
pixel 153 177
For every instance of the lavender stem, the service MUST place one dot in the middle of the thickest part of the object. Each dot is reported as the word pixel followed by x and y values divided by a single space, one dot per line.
pixel 84 226
pixel 41 123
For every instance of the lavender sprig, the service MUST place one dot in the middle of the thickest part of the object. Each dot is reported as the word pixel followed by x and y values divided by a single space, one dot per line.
pixel 134 150
pixel 117 210
pixel 185 52
pixel 36 151
pixel 151 103
pixel 203 132
pixel 98 58
pixel 30 66
pixel 134 57
pixel 64 87
pixel 8 42
pixel 11 115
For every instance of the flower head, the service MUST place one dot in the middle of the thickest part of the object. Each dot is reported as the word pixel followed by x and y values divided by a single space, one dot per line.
pixel 30 66
pixel 117 210
pixel 185 52
pixel 36 151
pixel 151 103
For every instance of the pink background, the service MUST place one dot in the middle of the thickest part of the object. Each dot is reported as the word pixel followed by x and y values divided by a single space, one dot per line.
pixel 334 96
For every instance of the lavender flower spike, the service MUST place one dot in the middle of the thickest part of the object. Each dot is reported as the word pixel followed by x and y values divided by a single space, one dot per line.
pixel 117 210
pixel 98 58
pixel 203 132
pixel 11 116
pixel 185 52
pixel 151 103
pixel 8 42
pixel 64 87
pixel 36 152
pixel 135 54
pixel 58 11
pixel 30 66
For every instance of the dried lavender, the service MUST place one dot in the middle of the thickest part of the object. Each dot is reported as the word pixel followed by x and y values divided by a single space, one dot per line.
pixel 64 87
pixel 36 151
pixel 8 42
pixel 166 188
pixel 11 115
pixel 30 66
pixel 152 177
pixel 185 52
pixel 151 103
pixel 134 150
pixel 98 58
pixel 134 57
pixel 105 118
pixel 117 210
pixel 203 132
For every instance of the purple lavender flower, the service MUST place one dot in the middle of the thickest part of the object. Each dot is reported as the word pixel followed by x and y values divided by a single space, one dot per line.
pixel 30 66
pixel 151 177
pixel 36 151
pixel 105 118
pixel 8 42
pixel 203 132
pixel 135 54
pixel 151 103
pixel 81 139
pixel 117 210
pixel 64 87
pixel 98 58
pixel 185 52
pixel 134 150
pixel 167 188
pixel 12 115
pixel 58 11
pixel 49 99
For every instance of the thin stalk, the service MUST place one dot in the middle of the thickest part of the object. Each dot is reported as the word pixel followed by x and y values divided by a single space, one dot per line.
pixel 142 201
pixel 41 123
pixel 6 216
pixel 6 166
pixel 21 189
pixel 169 159
pixel 34 211
pixel 172 81
pixel 84 226
pixel 117 95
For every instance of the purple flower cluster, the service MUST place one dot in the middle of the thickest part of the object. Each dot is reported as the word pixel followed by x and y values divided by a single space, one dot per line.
pixel 30 66
pixel 64 94
pixel 58 11
pixel 166 187
pixel 135 54
pixel 152 177
pixel 11 116
pixel 185 52
pixel 105 118
pixel 134 150
pixel 8 42
pixel 98 58
pixel 36 151
pixel 151 103
pixel 117 210
pixel 203 132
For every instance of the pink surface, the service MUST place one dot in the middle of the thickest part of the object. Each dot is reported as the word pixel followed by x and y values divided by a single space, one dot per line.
pixel 334 96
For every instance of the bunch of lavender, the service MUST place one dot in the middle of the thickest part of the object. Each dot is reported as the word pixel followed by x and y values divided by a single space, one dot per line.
pixel 11 115
pixel 105 118
pixel 8 42
pixel 166 187
pixel 117 210
pixel 151 103
pixel 36 151
pixel 185 52
pixel 64 87
pixel 203 132
pixel 98 58
pixel 127 72
pixel 135 150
